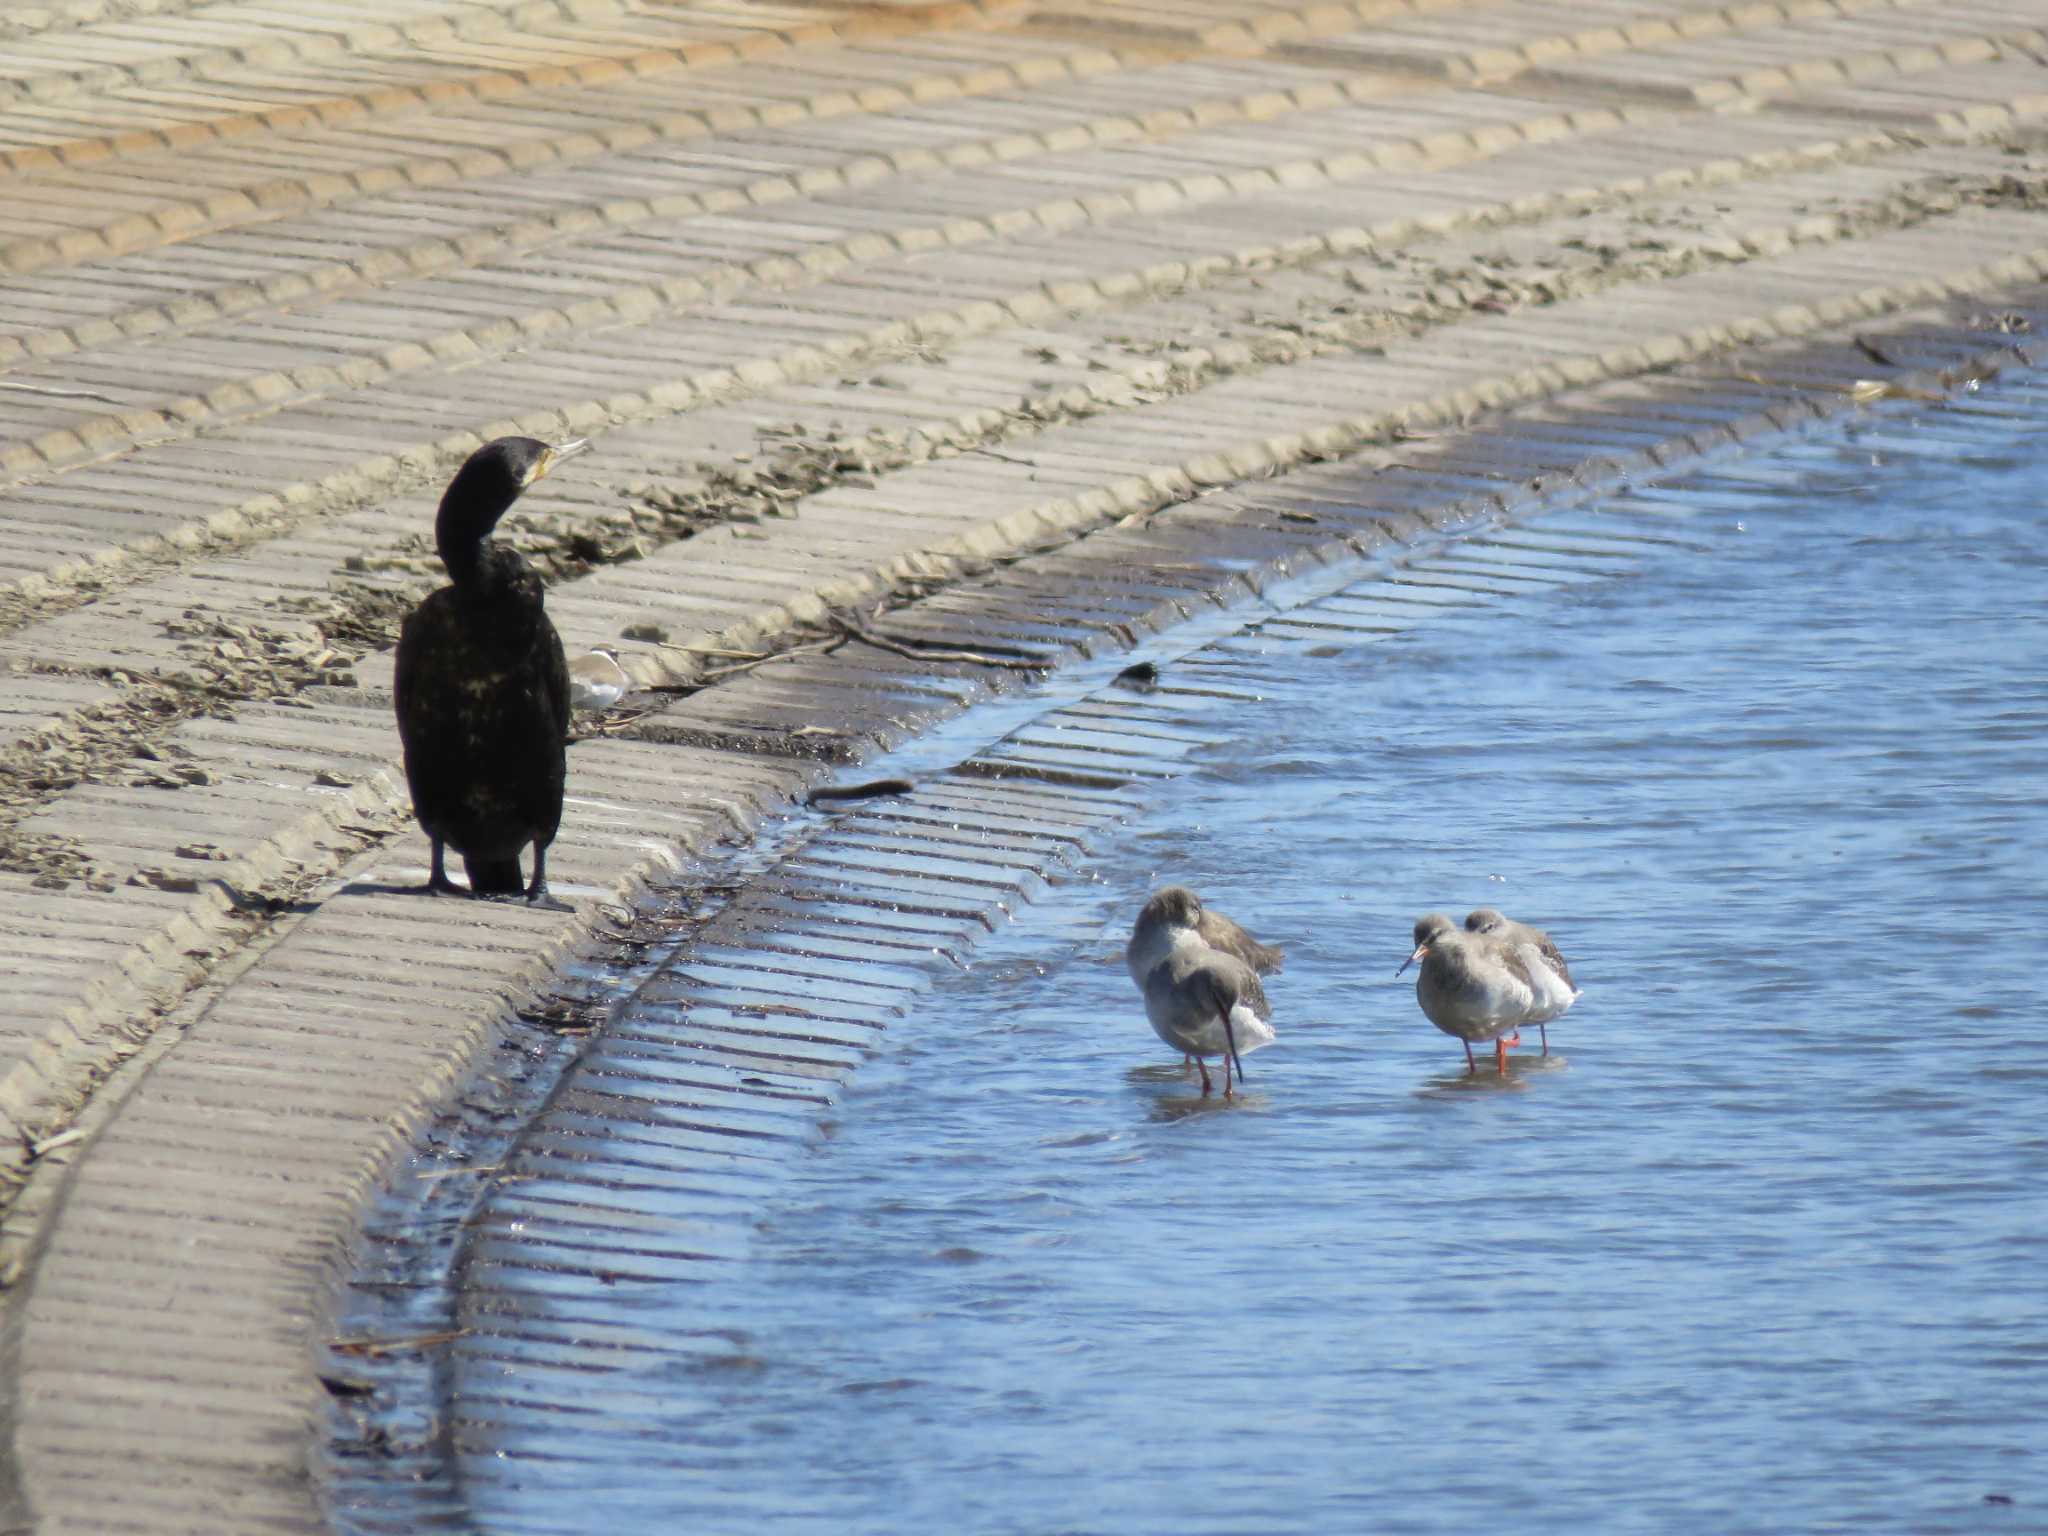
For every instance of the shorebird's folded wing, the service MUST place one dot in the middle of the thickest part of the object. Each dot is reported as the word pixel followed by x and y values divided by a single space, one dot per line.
pixel 1244 990
pixel 1219 932
pixel 1554 958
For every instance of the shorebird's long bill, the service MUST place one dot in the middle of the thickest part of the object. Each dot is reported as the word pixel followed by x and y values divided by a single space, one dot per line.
pixel 1230 1039
pixel 1420 951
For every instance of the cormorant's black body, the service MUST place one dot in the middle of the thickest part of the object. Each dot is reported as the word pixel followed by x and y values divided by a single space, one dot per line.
pixel 483 686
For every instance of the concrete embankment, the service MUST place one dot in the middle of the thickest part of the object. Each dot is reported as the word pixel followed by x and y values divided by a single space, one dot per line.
pixel 858 304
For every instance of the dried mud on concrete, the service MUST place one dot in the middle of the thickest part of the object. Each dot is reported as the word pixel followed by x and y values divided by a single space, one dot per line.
pixel 922 345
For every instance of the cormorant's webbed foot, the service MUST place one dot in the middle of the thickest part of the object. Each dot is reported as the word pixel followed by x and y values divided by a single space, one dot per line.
pixel 537 895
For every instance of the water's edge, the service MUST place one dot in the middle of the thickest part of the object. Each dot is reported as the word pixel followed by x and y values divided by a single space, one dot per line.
pixel 1008 792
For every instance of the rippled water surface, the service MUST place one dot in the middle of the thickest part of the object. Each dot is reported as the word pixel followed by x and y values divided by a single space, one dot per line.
pixel 1762 1246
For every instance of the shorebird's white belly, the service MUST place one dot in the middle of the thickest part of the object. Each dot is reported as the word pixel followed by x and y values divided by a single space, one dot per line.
pixel 1553 994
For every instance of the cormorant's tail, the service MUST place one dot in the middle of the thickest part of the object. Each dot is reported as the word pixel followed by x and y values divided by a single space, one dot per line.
pixel 494 877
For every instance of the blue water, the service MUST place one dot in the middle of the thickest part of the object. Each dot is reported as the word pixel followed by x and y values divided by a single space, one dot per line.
pixel 1762 1246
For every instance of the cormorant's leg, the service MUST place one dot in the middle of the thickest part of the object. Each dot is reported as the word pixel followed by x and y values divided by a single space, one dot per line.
pixel 537 887
pixel 438 883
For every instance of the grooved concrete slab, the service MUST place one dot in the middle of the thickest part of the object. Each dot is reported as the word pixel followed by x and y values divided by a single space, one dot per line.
pixel 862 303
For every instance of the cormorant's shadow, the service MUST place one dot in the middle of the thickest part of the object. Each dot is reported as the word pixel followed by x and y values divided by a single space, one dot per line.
pixel 383 888
pixel 509 899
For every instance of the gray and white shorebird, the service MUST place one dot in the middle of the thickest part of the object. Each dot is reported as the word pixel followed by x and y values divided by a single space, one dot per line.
pixel 1471 985
pixel 1202 998
pixel 596 680
pixel 1165 913
pixel 1548 974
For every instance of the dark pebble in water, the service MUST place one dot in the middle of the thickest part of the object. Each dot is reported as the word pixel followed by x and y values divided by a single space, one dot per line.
pixel 959 1256
pixel 1141 674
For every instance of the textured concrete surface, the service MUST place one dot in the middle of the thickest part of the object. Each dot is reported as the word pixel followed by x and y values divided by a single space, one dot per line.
pixel 855 300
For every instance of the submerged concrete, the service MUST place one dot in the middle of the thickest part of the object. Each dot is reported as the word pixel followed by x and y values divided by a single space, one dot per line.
pixel 861 305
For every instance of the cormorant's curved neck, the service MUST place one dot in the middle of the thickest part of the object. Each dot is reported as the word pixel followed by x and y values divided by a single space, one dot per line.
pixel 462 530
pixel 463 558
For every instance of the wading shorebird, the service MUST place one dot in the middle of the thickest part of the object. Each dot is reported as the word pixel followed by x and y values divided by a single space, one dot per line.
pixel 1471 985
pixel 1152 935
pixel 1201 999
pixel 1550 977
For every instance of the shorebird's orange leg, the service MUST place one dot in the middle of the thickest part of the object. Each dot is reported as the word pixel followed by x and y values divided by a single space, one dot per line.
pixel 1500 1050
pixel 1205 1075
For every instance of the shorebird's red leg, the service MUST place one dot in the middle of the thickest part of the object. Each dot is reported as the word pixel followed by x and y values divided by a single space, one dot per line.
pixel 1205 1075
pixel 1500 1050
pixel 1226 1074
pixel 1471 1066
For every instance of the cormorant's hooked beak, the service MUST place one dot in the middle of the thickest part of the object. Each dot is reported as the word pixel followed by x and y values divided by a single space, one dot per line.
pixel 1420 951
pixel 554 455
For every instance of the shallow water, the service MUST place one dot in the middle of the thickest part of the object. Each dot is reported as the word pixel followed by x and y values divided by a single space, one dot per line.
pixel 1759 1246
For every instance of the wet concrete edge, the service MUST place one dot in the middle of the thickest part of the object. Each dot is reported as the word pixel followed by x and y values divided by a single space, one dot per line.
pixel 1493 470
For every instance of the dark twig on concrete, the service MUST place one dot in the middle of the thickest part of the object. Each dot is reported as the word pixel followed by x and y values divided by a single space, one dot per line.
pixel 866 636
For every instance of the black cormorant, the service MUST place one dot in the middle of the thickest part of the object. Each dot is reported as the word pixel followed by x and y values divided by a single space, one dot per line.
pixel 482 685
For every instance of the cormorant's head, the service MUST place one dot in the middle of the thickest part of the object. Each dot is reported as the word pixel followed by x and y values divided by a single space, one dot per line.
pixel 489 481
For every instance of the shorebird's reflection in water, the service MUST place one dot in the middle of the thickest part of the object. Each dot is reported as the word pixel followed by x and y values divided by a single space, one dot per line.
pixel 1173 1093
pixel 1519 1078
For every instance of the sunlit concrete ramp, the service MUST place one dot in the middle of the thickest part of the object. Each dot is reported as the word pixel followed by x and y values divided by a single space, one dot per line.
pixel 861 305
